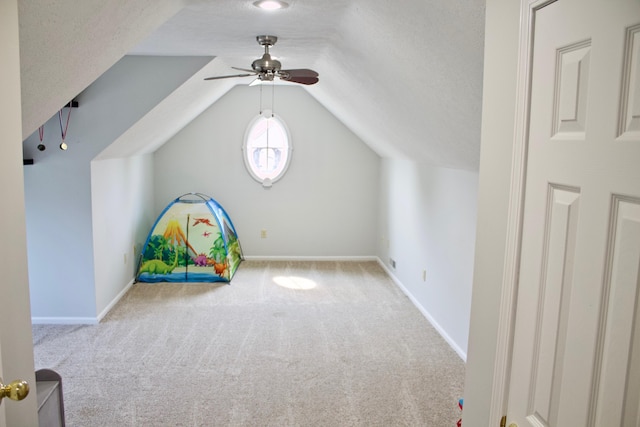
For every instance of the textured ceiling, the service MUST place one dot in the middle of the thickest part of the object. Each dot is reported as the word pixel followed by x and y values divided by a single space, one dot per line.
pixel 227 28
pixel 406 77
pixel 65 45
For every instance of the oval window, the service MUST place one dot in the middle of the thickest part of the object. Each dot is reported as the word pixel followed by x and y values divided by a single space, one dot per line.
pixel 267 148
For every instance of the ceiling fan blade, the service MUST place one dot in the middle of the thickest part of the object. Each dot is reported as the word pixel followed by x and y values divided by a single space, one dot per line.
pixel 245 69
pixel 301 80
pixel 301 75
pixel 227 77
pixel 300 72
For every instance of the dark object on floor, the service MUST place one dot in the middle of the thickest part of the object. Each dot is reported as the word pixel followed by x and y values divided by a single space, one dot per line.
pixel 50 400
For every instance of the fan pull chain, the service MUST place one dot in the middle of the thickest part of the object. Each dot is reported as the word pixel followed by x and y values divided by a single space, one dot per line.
pixel 273 97
pixel 268 123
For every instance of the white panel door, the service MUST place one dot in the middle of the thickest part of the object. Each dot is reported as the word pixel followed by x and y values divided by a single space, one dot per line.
pixel 576 354
pixel 3 415
pixel 16 345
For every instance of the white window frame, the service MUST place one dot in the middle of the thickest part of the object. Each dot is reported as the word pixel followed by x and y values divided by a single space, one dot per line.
pixel 265 115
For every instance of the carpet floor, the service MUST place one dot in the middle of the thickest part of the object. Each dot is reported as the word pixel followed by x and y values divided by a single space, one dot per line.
pixel 286 344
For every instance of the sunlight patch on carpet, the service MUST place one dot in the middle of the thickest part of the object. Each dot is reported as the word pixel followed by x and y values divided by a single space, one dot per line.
pixel 294 282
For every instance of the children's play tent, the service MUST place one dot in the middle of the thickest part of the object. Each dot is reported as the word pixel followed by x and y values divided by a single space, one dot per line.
pixel 193 240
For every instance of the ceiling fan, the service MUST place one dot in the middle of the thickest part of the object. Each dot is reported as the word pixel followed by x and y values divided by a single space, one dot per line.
pixel 266 68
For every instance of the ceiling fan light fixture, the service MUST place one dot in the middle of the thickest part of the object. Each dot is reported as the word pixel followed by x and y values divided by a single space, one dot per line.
pixel 270 4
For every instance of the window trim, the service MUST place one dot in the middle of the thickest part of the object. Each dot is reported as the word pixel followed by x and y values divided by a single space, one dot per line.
pixel 264 115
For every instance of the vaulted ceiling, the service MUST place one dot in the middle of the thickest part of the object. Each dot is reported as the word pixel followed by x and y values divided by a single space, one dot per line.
pixel 406 77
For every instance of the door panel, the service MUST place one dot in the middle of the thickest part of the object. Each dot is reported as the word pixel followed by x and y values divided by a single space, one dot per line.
pixel 618 392
pixel 629 128
pixel 577 333
pixel 559 250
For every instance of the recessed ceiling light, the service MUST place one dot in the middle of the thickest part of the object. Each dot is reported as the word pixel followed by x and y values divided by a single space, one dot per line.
pixel 270 4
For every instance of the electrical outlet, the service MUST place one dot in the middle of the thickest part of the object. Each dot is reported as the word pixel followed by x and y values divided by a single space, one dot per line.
pixel 263 234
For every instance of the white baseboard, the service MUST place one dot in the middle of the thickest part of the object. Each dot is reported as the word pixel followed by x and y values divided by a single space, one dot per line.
pixel 64 321
pixel 113 302
pixel 310 258
pixel 425 313
pixel 81 320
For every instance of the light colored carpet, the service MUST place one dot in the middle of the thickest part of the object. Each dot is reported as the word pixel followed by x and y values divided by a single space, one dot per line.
pixel 340 346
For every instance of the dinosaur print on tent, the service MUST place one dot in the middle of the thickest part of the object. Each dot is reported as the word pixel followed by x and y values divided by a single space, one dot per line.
pixel 193 240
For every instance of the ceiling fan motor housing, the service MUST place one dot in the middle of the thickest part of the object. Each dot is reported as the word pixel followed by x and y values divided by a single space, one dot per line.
pixel 266 64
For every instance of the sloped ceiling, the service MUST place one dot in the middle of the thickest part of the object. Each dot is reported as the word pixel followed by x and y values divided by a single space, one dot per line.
pixel 65 45
pixel 406 77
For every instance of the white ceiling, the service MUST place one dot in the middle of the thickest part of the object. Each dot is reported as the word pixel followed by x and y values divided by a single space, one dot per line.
pixel 406 77
pixel 66 45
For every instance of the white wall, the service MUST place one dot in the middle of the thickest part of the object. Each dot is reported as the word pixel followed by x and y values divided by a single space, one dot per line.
pixel 58 186
pixel 501 47
pixel 427 223
pixel 325 206
pixel 122 196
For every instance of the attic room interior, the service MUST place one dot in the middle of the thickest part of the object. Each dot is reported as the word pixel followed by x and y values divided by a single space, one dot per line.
pixel 386 161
